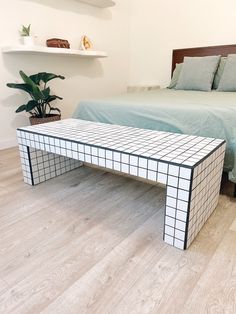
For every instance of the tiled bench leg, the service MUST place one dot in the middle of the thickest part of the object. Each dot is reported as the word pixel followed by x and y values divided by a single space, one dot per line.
pixel 39 166
pixel 178 194
pixel 205 192
pixel 192 196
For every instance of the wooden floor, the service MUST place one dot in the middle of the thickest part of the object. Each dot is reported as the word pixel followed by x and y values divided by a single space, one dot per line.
pixel 91 242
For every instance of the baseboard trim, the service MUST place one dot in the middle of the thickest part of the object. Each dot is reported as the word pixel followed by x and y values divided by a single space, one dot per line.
pixel 4 144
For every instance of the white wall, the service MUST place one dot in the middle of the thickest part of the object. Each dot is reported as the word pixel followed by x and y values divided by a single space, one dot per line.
pixel 158 26
pixel 68 19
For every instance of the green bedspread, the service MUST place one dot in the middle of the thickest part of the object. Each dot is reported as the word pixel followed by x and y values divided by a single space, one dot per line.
pixel 210 114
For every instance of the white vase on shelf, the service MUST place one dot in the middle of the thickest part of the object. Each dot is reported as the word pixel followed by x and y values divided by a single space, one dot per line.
pixel 27 40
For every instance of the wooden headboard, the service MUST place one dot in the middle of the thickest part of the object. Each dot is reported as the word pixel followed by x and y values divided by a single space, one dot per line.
pixel 179 54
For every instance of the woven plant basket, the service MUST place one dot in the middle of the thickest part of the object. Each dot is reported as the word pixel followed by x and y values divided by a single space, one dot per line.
pixel 49 118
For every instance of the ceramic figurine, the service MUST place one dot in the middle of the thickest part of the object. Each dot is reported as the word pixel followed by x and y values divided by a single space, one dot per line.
pixel 86 43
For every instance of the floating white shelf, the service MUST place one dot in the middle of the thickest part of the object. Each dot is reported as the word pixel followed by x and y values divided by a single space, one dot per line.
pixel 99 3
pixel 57 51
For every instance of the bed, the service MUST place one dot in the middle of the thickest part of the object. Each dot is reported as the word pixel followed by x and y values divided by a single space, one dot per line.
pixel 210 114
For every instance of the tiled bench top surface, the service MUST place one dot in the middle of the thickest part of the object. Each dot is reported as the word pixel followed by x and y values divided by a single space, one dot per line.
pixel 173 148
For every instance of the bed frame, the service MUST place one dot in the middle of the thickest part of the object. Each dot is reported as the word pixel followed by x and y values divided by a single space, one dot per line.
pixel 179 54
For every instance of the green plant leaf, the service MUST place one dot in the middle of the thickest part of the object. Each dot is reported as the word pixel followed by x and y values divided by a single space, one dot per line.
pixel 36 93
pixel 53 97
pixel 25 30
pixel 25 87
pixel 55 109
pixel 21 108
pixel 50 76
pixel 31 105
pixel 45 77
pixel 36 78
pixel 46 93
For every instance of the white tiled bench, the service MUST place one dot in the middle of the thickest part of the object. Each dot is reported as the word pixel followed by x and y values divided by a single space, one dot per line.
pixel 189 166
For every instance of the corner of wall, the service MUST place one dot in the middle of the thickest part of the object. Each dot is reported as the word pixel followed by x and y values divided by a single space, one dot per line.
pixel 8 143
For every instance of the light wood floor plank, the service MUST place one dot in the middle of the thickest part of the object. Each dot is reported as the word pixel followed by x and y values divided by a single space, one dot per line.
pixel 73 260
pixel 32 199
pixel 115 275
pixel 217 286
pixel 65 225
pixel 3 286
pixel 233 226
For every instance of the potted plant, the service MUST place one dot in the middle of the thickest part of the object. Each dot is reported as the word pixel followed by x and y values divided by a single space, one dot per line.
pixel 39 106
pixel 27 39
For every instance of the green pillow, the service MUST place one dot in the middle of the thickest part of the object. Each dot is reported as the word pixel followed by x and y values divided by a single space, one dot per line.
pixel 175 76
pixel 219 72
pixel 198 73
pixel 228 79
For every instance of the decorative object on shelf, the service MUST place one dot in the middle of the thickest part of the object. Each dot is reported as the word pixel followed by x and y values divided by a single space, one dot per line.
pixel 85 43
pixel 58 43
pixel 39 106
pixel 27 39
